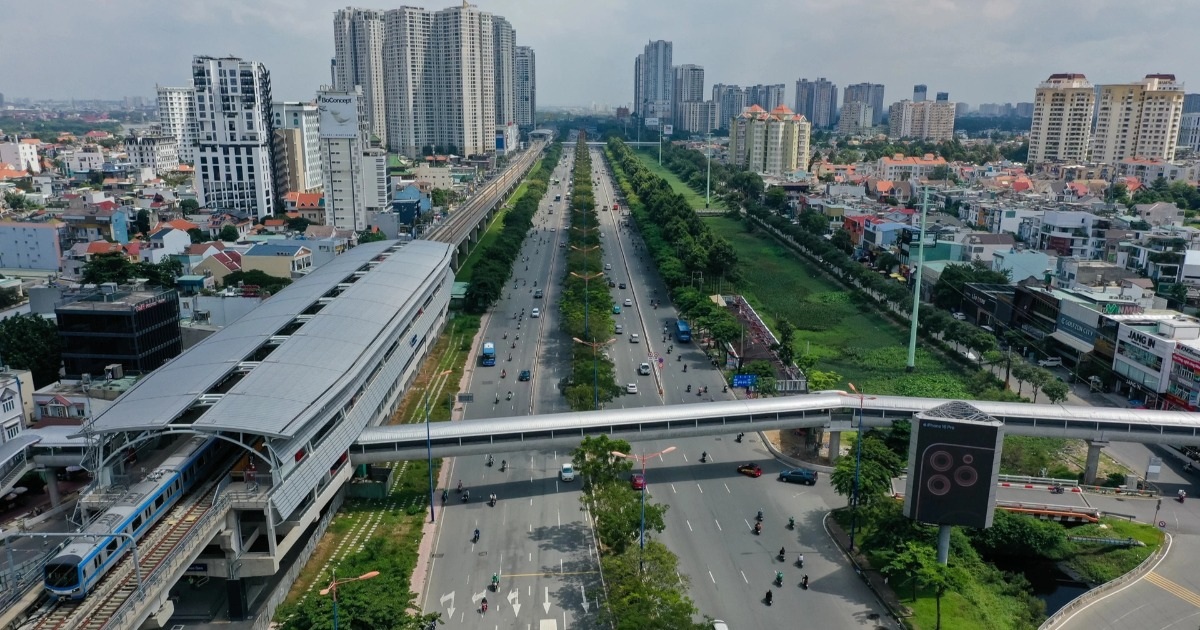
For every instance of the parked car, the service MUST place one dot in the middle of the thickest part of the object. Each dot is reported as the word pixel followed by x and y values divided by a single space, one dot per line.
pixel 1050 362
pixel 962 317
pixel 523 376
pixel 644 369
pixel 751 470
pixel 800 475
pixel 567 473
pixel 637 481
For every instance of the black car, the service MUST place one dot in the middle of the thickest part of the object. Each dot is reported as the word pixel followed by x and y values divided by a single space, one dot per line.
pixel 523 376
pixel 622 285
pixel 800 475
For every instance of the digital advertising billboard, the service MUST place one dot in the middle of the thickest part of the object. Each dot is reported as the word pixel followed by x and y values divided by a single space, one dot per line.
pixel 954 465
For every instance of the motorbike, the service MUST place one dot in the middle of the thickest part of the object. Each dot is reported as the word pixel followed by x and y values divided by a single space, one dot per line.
pixel 503 465
pixel 704 457
pixel 668 351
pixel 724 388
pixel 689 388
pixel 490 460
pixel 492 501
pixel 804 582
pixel 738 439
pixel 509 397
pixel 495 582
pixel 1056 489
pixel 460 488
pixel 791 524
pixel 476 538
pixel 757 528
pixel 466 496
pixel 779 578
pixel 782 556
pixel 684 366
pixel 483 605
pixel 759 516
pixel 800 561
pixel 768 598
pixel 503 373
pixel 1181 496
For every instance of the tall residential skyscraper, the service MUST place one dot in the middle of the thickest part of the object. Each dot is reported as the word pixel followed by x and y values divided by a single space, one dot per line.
pixel 688 87
pixel 1062 119
pixel 234 135
pixel 504 42
pixel 920 91
pixel 297 148
pixel 1138 120
pixel 177 117
pixel 638 84
pixel 1191 103
pixel 729 101
pixel 358 60
pixel 925 120
pixel 767 97
pixel 408 80
pixel 1189 131
pixel 817 101
pixel 658 80
pixel 855 119
pixel 525 80
pixel 775 143
pixel 869 93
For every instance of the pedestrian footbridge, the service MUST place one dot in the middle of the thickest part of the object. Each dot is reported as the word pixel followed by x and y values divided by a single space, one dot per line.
pixel 833 411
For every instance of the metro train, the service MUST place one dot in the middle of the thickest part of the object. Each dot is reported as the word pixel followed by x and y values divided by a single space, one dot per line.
pixel 84 561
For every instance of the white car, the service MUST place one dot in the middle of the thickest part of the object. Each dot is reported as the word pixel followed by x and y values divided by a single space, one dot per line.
pixel 608 266
pixel 536 312
pixel 962 317
pixel 634 338
pixel 644 369
pixel 631 388
pixel 1050 362
pixel 567 473
pixel 628 302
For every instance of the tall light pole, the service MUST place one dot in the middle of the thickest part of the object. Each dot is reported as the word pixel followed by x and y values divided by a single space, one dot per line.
pixel 916 288
pixel 857 464
pixel 332 588
pixel 429 443
pixel 642 458
pixel 595 367
pixel 708 171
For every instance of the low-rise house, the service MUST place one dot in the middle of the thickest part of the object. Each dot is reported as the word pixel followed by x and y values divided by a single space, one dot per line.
pixel 165 241
pixel 982 246
pixel 279 260
pixel 219 265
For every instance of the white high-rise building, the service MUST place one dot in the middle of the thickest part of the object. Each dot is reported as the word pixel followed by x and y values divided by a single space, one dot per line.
pixel 1062 119
pixel 153 151
pixel 925 120
pixel 729 101
pixel 504 42
pixel 177 117
pixel 355 173
pixel 1189 131
pixel 688 88
pixel 408 80
pixel 855 118
pixel 21 155
pixel 525 79
pixel 234 136
pixel 358 43
pixel 658 81
pixel 1138 120
pixel 298 156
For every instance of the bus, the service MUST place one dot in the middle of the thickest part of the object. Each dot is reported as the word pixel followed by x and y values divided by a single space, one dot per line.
pixel 683 332
pixel 488 358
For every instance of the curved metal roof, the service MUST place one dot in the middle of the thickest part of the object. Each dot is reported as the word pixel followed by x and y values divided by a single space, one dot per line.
pixel 281 394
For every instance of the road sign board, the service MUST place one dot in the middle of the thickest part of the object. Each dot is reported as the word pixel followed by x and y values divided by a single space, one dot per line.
pixel 745 380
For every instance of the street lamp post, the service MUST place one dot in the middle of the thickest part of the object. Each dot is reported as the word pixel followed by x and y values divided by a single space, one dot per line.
pixel 332 588
pixel 429 444
pixel 708 171
pixel 595 345
pixel 857 464
pixel 642 458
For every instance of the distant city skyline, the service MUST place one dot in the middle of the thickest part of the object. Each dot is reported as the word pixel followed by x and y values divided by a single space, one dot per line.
pixel 992 53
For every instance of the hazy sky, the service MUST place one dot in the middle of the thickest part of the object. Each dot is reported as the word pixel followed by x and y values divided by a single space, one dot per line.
pixel 978 50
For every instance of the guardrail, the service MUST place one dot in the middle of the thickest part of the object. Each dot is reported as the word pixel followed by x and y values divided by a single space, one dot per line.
pixel 1074 605
pixel 200 534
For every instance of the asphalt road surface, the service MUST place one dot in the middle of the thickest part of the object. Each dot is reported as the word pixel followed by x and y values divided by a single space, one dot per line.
pixel 537 537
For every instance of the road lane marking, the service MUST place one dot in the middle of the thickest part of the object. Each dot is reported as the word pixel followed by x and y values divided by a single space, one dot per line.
pixel 1174 588
pixel 699 487
pixel 673 490
pixel 744 579
pixel 727 489
pixel 710 576
pixel 719 528
pixel 689 524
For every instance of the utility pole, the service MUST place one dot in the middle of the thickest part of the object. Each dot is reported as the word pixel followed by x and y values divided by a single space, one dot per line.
pixel 708 171
pixel 916 287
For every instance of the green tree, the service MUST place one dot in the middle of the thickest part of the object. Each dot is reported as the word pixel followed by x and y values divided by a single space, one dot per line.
pixel 1019 535
pixel 948 292
pixel 647 591
pixel 270 284
pixel 594 459
pixel 821 381
pixel 787 335
pixel 618 511
pixel 1056 390
pixel 1039 378
pixel 16 201
pixel 198 236
pixel 879 465
pixel 906 563
pixel 9 297
pixel 776 198
pixel 370 236
pixel 142 222
pixel 113 267
pixel 298 224
pixel 189 206
pixel 1023 372
pixel 229 234
pixel 842 242
pixel 31 342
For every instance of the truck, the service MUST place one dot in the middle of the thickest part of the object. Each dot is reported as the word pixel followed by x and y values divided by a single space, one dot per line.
pixel 683 332
pixel 488 357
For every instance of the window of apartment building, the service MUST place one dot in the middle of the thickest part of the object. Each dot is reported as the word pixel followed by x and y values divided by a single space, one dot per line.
pixel 11 431
pixel 8 404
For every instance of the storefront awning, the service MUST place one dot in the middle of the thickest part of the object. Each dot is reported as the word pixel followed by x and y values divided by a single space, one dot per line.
pixel 1072 342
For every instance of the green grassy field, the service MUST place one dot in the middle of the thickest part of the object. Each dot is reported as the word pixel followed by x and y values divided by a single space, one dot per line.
pixel 696 200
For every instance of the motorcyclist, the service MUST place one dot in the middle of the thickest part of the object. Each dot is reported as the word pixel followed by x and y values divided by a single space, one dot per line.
pixel 466 496
pixel 492 499
pixel 483 605
pixel 768 598
pixel 476 533
pixel 804 581
pixel 503 373
pixel 460 485
pixel 791 522
pixel 704 457
pixel 779 578
pixel 684 365
pixel 759 517
pixel 782 554
pixel 503 465
pixel 510 394
pixel 757 528
pixel 800 560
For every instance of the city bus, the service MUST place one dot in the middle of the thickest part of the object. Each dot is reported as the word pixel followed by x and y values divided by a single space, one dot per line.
pixel 683 332
pixel 488 358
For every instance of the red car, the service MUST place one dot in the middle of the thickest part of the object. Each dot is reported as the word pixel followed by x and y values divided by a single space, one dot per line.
pixel 752 470
pixel 637 481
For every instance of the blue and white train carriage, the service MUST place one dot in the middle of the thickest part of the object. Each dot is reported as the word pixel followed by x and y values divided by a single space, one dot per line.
pixel 85 560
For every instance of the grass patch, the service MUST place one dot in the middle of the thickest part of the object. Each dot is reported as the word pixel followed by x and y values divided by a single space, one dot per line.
pixel 1102 563
pixel 694 199
pixel 490 236
pixel 843 332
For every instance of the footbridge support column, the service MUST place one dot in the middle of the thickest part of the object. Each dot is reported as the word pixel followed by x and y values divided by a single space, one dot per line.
pixel 1092 468
pixel 50 475
pixel 835 445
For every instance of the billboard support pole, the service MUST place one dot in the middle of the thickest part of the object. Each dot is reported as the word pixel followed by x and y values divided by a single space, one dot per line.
pixel 943 546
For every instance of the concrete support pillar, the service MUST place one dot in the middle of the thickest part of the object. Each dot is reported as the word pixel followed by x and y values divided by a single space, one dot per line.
pixel 1092 468
pixel 835 445
pixel 50 476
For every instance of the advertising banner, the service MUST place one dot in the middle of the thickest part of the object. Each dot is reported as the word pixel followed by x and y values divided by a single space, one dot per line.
pixel 667 129
pixel 338 114
pixel 953 469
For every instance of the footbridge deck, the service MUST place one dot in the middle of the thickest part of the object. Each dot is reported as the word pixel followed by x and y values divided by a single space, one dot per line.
pixel 834 411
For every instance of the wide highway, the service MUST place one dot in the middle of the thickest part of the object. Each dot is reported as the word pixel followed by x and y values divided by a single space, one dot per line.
pixel 538 538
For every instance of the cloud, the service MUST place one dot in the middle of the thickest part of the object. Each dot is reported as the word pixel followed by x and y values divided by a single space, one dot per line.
pixel 978 50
